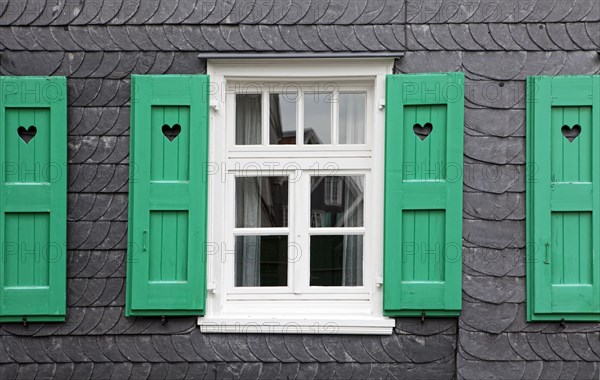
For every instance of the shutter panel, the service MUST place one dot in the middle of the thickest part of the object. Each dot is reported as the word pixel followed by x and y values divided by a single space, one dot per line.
pixel 33 199
pixel 167 195
pixel 423 194
pixel 563 198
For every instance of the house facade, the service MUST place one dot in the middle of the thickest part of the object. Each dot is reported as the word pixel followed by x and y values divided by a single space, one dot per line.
pixel 384 189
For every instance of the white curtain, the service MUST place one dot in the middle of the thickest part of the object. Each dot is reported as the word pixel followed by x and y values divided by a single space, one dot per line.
pixel 248 247
pixel 352 270
pixel 248 126
pixel 248 119
pixel 352 118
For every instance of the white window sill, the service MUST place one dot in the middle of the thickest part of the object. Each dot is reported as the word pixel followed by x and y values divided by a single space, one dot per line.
pixel 286 325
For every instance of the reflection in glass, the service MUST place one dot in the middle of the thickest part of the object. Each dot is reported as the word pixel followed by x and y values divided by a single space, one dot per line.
pixel 248 116
pixel 337 201
pixel 261 260
pixel 352 118
pixel 336 260
pixel 261 201
pixel 317 118
pixel 282 118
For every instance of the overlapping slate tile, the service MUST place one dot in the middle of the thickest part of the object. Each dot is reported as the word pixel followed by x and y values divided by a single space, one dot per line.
pixel 494 262
pixel 488 206
pixel 428 349
pixel 98 150
pixel 98 121
pixel 105 178
pixel 98 292
pixel 493 289
pixel 495 179
pixel 94 207
pixel 226 37
pixel 116 12
pixel 492 122
pixel 498 317
pixel 96 235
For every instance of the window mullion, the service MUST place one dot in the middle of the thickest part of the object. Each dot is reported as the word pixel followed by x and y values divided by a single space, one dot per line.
pixel 266 113
pixel 228 250
pixel 301 266
pixel 300 118
pixel 335 120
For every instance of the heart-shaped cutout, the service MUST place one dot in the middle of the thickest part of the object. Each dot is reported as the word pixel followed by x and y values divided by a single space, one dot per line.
pixel 171 132
pixel 26 134
pixel 422 131
pixel 571 133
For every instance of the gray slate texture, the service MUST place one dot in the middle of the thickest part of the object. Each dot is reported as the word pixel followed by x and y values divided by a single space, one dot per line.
pixel 99 44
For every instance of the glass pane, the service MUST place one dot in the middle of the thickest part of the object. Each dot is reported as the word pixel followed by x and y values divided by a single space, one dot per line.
pixel 282 119
pixel 317 118
pixel 261 260
pixel 261 201
pixel 248 116
pixel 336 260
pixel 337 201
pixel 352 118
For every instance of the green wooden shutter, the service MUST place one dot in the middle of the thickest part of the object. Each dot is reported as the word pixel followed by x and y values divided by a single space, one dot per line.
pixel 423 194
pixel 563 198
pixel 167 195
pixel 33 193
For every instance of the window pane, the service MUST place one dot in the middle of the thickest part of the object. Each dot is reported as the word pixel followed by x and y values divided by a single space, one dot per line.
pixel 337 201
pixel 248 116
pixel 352 118
pixel 336 260
pixel 282 119
pixel 261 261
pixel 317 118
pixel 261 201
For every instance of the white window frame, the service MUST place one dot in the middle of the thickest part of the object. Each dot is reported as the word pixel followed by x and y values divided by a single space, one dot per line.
pixel 296 308
pixel 333 191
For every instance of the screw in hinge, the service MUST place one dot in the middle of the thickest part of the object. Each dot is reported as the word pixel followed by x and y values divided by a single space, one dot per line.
pixel 163 320
pixel 562 323
pixel 422 317
pixel 25 321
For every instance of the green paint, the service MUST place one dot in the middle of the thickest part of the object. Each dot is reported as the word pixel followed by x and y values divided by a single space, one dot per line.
pixel 563 199
pixel 166 272
pixel 423 195
pixel 33 193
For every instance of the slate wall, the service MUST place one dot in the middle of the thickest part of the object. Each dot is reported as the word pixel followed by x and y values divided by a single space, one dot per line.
pixel 98 44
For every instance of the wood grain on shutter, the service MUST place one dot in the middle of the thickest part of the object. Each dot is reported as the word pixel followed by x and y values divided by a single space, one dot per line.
pixel 423 194
pixel 167 195
pixel 563 198
pixel 33 141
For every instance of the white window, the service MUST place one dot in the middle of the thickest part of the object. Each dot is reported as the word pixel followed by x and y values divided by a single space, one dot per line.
pixel 333 191
pixel 296 196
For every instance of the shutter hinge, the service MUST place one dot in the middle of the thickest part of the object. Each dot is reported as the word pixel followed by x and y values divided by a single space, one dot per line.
pixel 422 316
pixel 378 281
pixel 214 105
pixel 381 104
pixel 212 287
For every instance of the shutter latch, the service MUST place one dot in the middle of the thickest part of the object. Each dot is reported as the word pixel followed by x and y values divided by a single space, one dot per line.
pixel 378 281
pixel 212 287
pixel 381 104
